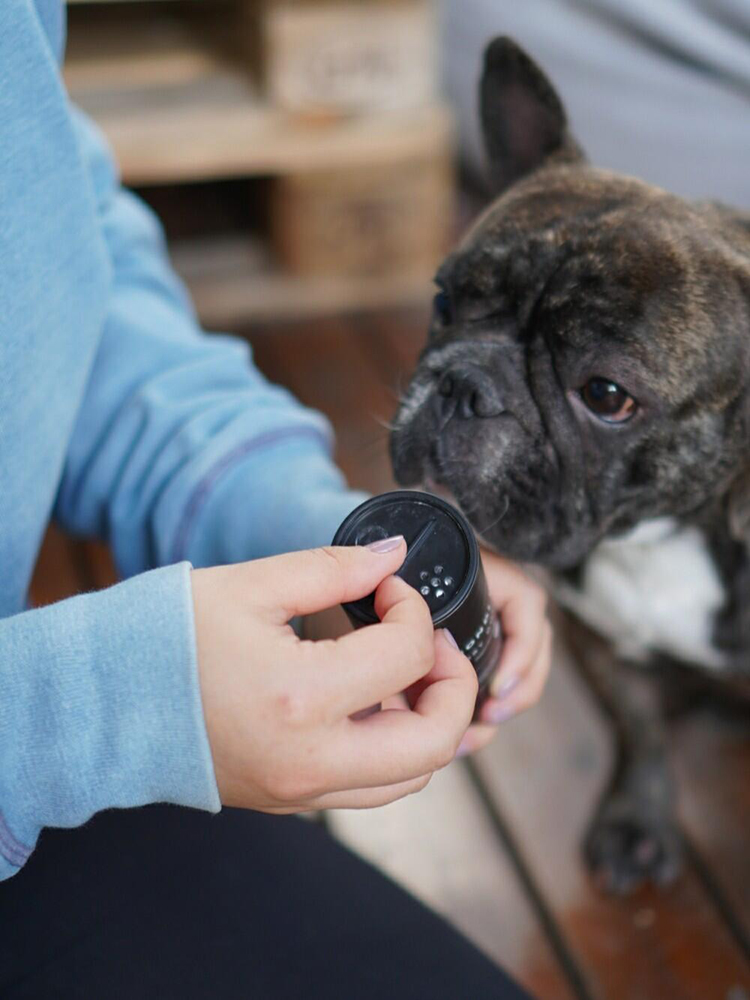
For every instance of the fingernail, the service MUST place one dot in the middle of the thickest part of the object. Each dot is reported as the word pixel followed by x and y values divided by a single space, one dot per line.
pixel 498 712
pixel 365 713
pixel 385 544
pixel 449 636
pixel 464 747
pixel 505 686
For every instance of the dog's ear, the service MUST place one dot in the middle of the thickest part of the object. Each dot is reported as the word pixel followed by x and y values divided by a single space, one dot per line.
pixel 523 119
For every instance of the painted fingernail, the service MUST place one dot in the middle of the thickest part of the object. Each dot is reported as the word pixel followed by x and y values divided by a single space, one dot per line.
pixel 499 712
pixel 365 713
pixel 505 686
pixel 385 544
pixel 464 747
pixel 449 636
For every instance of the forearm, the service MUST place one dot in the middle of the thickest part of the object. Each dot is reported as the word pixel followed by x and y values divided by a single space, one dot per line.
pixel 182 450
pixel 277 492
pixel 100 708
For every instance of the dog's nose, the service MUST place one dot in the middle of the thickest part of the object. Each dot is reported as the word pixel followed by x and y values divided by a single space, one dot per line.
pixel 467 393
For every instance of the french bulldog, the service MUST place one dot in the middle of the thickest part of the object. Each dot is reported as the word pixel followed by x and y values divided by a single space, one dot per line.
pixel 584 397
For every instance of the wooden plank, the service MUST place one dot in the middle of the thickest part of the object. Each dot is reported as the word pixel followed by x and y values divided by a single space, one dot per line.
pixel 233 282
pixel 711 757
pixel 232 135
pixel 75 3
pixel 328 368
pixel 100 565
pixel 128 49
pixel 441 846
pixel 394 347
pixel 59 572
pixel 545 772
pixel 67 566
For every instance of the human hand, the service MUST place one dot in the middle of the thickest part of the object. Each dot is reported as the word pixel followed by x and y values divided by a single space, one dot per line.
pixel 527 646
pixel 278 708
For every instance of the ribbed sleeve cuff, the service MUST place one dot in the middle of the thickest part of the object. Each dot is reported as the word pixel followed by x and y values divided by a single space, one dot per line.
pixel 101 708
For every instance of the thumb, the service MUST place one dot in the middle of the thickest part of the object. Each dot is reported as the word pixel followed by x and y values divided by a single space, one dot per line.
pixel 301 583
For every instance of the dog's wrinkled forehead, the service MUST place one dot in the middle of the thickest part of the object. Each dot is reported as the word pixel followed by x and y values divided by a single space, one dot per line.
pixel 590 258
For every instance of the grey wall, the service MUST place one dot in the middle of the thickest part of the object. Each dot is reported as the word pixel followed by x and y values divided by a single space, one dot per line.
pixel 655 88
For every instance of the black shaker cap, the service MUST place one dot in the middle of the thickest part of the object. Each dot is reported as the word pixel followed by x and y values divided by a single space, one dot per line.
pixel 442 560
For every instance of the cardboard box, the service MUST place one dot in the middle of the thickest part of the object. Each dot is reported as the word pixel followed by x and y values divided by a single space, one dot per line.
pixel 391 220
pixel 350 57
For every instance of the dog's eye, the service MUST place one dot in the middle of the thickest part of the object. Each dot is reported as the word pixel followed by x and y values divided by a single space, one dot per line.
pixel 608 400
pixel 442 306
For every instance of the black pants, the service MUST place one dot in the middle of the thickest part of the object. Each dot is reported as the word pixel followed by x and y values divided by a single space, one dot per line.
pixel 168 903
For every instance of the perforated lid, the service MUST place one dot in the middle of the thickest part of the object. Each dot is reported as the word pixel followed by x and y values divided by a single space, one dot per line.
pixel 442 559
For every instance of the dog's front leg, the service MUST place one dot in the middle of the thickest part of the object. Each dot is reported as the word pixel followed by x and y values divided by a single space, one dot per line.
pixel 633 836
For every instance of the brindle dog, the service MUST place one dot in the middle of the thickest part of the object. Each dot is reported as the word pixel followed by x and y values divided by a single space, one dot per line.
pixel 585 397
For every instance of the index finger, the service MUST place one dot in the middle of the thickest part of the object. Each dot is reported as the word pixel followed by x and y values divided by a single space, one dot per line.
pixel 301 583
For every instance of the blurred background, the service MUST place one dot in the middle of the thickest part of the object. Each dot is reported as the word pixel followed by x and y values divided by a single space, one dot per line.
pixel 301 153
pixel 655 88
pixel 312 161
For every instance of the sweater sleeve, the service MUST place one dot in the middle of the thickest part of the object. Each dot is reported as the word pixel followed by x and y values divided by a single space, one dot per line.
pixel 181 449
pixel 100 708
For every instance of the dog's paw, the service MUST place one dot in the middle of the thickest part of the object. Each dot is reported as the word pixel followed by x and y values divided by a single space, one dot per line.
pixel 625 848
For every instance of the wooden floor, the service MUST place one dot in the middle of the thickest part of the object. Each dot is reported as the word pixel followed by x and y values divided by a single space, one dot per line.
pixel 493 844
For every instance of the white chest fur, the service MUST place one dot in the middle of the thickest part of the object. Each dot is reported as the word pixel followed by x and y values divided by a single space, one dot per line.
pixel 653 590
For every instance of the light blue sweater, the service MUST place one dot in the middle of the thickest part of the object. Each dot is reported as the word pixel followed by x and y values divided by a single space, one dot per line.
pixel 121 420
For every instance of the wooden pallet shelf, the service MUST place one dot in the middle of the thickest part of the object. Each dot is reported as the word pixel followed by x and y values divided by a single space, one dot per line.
pixel 359 211
pixel 178 102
